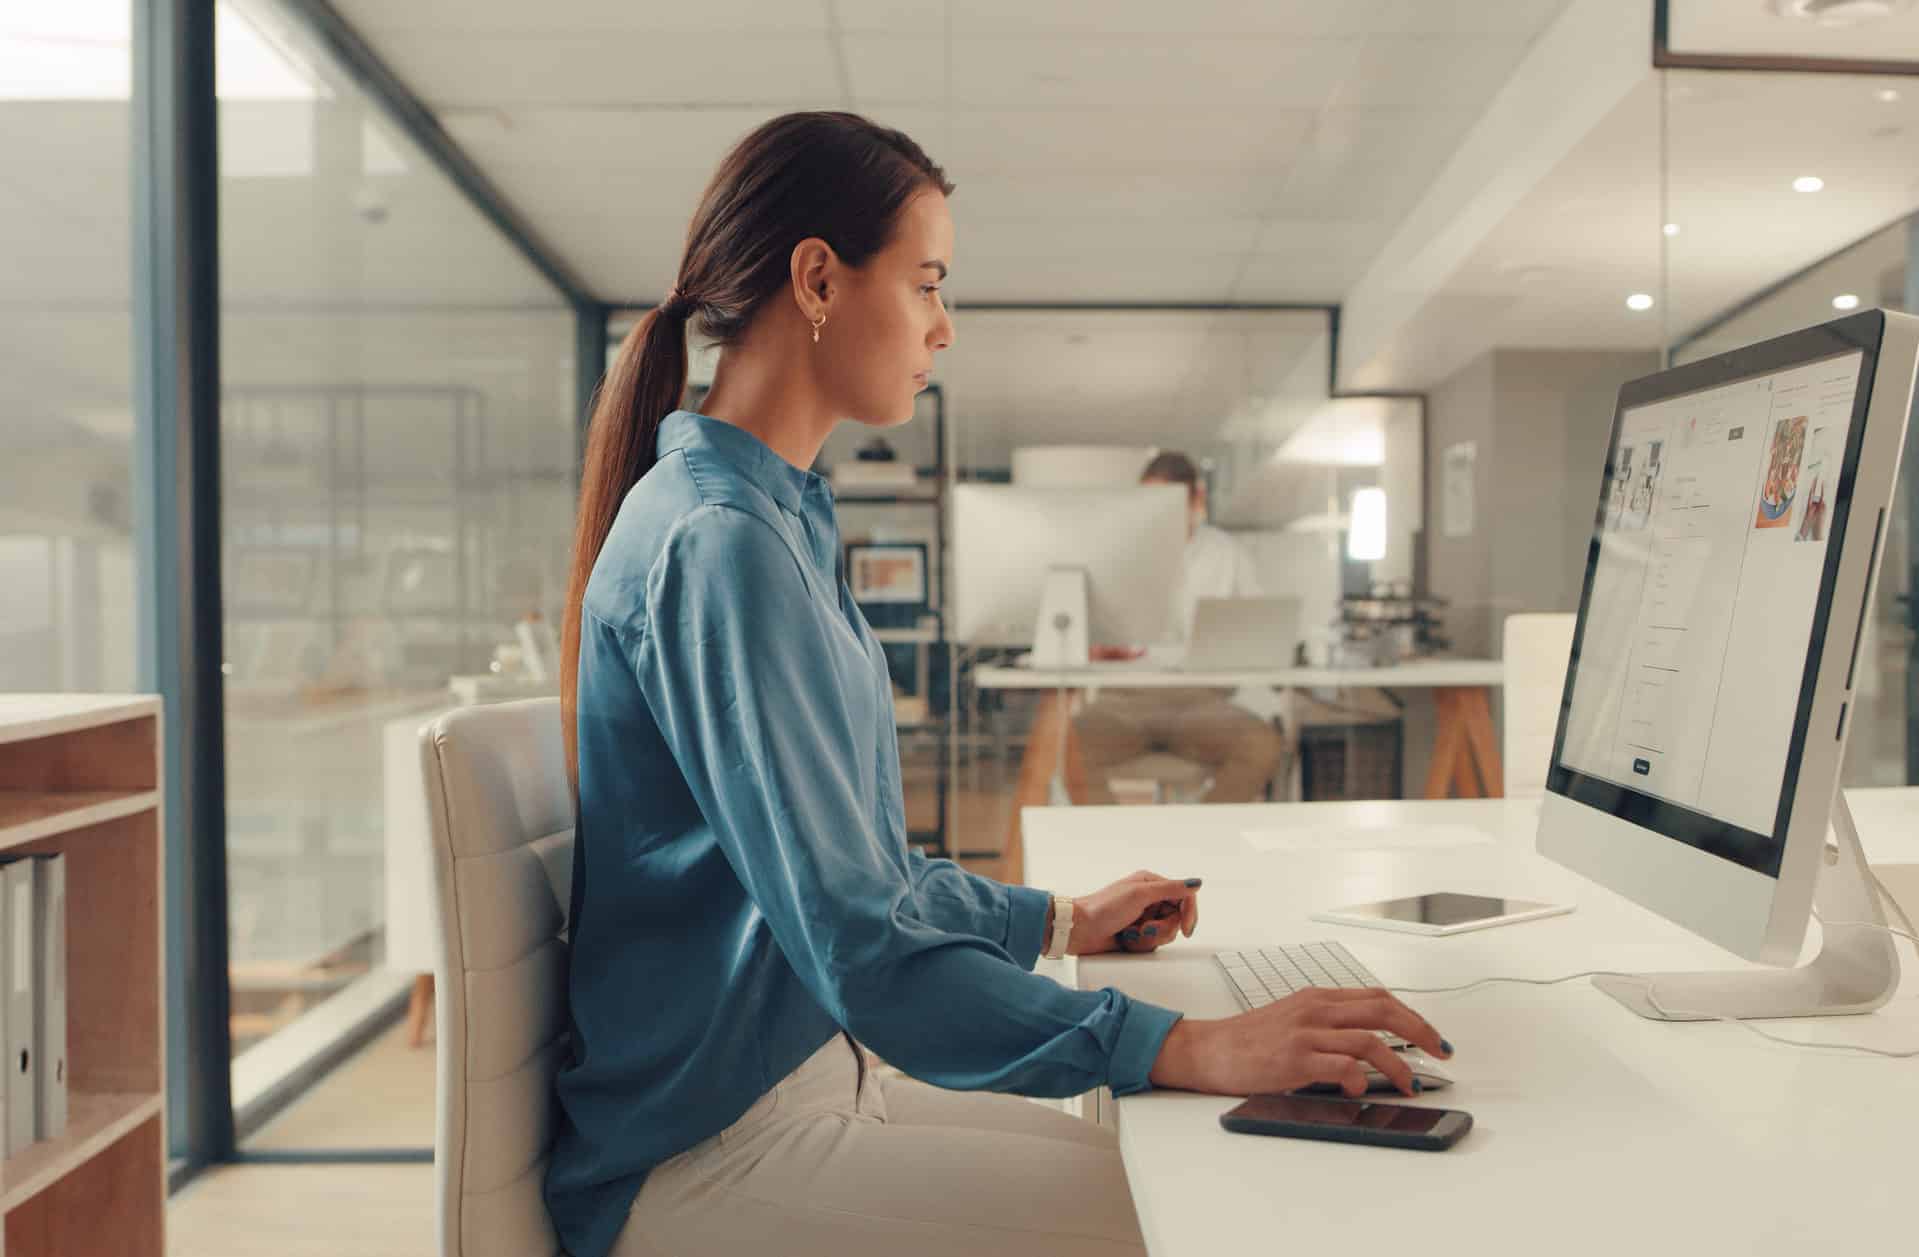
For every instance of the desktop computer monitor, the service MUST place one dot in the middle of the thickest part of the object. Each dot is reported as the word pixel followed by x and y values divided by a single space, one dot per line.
pixel 1120 551
pixel 1704 716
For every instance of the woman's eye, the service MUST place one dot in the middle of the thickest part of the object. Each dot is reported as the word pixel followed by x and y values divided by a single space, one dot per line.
pixel 927 290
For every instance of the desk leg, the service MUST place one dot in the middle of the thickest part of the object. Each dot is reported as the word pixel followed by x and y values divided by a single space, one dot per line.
pixel 1465 757
pixel 1036 770
pixel 1476 707
pixel 419 1008
pixel 1448 744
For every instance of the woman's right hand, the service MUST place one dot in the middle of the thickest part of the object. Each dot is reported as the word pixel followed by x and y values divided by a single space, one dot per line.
pixel 1316 1035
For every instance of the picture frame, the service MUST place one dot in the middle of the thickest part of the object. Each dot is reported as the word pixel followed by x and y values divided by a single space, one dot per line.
pixel 890 573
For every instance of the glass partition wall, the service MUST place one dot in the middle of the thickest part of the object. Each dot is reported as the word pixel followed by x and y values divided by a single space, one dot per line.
pixel 397 448
pixel 1827 202
pixel 66 408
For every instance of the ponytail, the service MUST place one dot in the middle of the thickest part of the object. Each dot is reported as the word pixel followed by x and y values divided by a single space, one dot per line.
pixel 643 386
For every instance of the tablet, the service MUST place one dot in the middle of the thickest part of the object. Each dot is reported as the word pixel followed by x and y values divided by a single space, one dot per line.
pixel 1446 912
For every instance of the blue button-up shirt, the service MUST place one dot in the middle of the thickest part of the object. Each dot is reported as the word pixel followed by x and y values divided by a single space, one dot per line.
pixel 742 885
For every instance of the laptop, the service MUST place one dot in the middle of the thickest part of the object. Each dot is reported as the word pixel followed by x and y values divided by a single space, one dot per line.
pixel 1240 634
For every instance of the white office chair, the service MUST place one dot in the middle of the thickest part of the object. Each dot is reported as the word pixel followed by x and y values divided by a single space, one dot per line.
pixel 1536 654
pixel 502 822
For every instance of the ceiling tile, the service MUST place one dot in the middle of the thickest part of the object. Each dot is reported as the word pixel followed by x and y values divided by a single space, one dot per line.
pixel 1429 72
pixel 579 69
pixel 619 138
pixel 1116 242
pixel 1509 19
pixel 1298 275
pixel 921 17
pixel 1168 276
pixel 895 68
pixel 1132 196
pixel 1261 73
pixel 1117 141
pixel 381 17
pixel 1155 17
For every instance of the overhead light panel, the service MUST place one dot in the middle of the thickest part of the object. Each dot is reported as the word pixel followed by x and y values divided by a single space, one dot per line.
pixel 1672 229
pixel 1808 183
pixel 1845 301
pixel 1639 301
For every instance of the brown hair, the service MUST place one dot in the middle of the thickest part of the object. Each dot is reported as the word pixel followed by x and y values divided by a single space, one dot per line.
pixel 835 176
pixel 1174 468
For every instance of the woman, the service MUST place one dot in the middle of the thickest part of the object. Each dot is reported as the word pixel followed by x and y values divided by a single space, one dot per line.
pixel 744 902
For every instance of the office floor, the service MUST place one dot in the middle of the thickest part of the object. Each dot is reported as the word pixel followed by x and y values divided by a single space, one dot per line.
pixel 381 1098
pixel 305 1211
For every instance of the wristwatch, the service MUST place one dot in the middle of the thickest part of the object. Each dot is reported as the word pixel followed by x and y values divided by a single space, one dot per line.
pixel 1062 928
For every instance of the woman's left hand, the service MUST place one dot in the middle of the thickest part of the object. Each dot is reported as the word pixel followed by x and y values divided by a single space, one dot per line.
pixel 1141 913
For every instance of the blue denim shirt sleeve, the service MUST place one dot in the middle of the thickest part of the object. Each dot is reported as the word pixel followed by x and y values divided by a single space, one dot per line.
pixel 920 962
pixel 1012 916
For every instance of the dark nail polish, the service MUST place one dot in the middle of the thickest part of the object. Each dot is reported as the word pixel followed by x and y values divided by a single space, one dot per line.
pixel 1129 935
pixel 1418 1086
pixel 1192 883
pixel 1152 931
pixel 1445 1047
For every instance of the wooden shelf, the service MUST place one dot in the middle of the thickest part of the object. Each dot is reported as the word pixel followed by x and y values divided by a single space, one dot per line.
pixel 94 1123
pixel 30 815
pixel 80 778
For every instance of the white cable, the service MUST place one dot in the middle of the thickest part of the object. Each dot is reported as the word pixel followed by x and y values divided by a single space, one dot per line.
pixel 1694 1014
pixel 1892 903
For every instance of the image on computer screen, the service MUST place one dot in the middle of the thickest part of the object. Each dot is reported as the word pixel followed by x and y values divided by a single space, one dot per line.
pixel 1712 545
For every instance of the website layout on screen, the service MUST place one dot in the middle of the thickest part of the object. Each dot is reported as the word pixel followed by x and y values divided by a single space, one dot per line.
pixel 1712 545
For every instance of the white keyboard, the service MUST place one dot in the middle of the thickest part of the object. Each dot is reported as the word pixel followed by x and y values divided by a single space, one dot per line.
pixel 1268 974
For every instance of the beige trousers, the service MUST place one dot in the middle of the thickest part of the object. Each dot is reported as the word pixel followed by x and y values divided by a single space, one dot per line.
pixel 815 1170
pixel 1241 751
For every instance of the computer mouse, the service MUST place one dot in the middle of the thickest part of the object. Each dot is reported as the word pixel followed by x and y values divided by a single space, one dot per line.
pixel 1426 1072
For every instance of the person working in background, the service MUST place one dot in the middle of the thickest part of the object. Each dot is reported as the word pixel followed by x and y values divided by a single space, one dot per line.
pixel 1240 750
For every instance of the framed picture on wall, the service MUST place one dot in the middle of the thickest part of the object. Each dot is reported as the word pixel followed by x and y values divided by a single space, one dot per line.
pixel 893 573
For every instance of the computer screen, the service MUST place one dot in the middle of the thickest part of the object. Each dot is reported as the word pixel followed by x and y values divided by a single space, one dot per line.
pixel 1712 542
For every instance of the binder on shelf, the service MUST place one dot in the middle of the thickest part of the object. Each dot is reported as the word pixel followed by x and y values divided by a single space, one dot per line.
pixel 16 888
pixel 50 994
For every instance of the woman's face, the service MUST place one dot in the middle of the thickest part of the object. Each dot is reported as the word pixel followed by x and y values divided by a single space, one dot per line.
pixel 876 349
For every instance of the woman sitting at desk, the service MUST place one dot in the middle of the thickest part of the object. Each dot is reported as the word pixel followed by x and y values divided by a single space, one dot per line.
pixel 744 903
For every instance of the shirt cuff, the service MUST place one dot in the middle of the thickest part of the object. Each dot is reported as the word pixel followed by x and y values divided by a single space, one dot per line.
pixel 1026 924
pixel 1140 1038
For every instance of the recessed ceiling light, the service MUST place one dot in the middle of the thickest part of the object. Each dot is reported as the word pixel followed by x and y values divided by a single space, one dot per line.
pixel 1672 229
pixel 1808 183
pixel 1845 301
pixel 1639 301
pixel 1887 95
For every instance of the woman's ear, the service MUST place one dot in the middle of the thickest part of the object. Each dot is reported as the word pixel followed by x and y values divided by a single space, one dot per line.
pixel 813 265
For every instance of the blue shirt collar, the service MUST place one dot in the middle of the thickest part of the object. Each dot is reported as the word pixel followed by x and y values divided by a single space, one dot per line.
pixel 746 453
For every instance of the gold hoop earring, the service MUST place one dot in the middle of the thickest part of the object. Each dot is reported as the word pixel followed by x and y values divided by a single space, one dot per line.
pixel 817 325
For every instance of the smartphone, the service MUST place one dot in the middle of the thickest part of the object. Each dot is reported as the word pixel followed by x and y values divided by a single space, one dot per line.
pixel 1349 1121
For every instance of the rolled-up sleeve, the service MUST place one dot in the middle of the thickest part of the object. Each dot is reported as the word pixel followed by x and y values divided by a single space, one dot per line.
pixel 922 961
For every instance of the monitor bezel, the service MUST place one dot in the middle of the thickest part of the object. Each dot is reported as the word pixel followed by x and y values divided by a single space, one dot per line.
pixel 1862 334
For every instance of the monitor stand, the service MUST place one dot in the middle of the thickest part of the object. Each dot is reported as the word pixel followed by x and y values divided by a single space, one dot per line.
pixel 1856 970
pixel 1059 634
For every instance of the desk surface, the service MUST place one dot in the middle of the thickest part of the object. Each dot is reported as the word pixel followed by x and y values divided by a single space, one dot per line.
pixel 1143 674
pixel 1596 1131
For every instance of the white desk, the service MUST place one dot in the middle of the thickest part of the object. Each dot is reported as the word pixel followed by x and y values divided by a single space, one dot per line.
pixel 1596 1131
pixel 1141 675
pixel 1465 756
